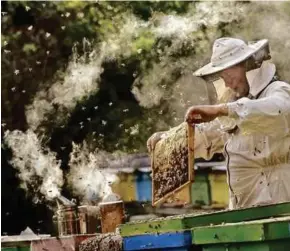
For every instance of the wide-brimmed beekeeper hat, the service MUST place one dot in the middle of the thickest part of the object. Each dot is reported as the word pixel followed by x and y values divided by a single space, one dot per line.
pixel 228 52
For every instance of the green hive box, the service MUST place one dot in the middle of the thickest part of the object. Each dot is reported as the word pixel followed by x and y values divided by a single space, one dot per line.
pixel 184 222
pixel 15 249
pixel 260 235
pixel 279 245
pixel 200 189
pixel 19 246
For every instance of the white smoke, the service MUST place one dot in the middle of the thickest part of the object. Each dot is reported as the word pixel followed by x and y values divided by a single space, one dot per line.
pixel 269 20
pixel 81 78
pixel 159 85
pixel 175 26
pixel 208 14
pixel 152 91
pixel 87 177
pixel 35 163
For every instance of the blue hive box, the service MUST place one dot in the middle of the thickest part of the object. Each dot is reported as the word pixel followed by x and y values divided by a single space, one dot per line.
pixel 177 241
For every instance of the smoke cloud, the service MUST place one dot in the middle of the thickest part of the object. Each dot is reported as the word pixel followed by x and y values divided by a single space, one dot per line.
pixel 82 75
pixel 39 170
pixel 269 20
pixel 87 178
pixel 160 85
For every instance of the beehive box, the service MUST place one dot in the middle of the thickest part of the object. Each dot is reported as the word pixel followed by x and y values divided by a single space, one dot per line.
pixel 17 247
pixel 144 186
pixel 185 222
pixel 267 234
pixel 180 241
pixel 112 214
pixel 200 189
pixel 126 186
pixel 275 245
pixel 17 242
pixel 219 189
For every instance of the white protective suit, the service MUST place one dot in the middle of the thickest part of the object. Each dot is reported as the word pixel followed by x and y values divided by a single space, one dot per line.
pixel 258 152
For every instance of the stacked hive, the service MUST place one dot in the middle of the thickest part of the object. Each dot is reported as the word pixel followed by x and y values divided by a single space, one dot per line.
pixel 244 229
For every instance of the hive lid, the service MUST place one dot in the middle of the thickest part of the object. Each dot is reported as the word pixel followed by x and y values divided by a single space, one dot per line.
pixel 110 202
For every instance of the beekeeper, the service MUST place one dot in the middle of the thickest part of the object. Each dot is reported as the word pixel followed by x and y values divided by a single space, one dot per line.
pixel 252 130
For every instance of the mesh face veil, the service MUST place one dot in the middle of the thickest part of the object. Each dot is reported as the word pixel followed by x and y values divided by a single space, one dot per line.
pixel 225 94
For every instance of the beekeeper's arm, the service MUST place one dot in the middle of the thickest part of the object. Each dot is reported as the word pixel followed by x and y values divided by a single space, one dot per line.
pixel 267 115
pixel 208 139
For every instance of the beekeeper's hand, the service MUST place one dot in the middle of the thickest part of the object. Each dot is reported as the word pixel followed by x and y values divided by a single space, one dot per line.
pixel 205 113
pixel 152 141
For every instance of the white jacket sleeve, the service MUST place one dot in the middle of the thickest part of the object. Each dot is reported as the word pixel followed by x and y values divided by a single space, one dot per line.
pixel 267 115
pixel 209 139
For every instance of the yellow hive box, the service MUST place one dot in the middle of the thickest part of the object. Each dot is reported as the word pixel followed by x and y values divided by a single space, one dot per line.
pixel 126 186
pixel 219 189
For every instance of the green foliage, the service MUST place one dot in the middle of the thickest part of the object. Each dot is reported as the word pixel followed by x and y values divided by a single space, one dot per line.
pixel 29 48
pixel 145 9
pixel 144 43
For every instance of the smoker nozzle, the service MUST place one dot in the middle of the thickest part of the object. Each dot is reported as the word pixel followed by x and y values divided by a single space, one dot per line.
pixel 64 201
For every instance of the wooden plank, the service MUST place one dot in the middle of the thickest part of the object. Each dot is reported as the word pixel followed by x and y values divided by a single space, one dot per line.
pixel 277 230
pixel 147 227
pixel 260 230
pixel 157 241
pixel 232 216
pixel 167 196
pixel 190 144
pixel 182 197
pixel 228 234
pixel 179 249
pixel 181 223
